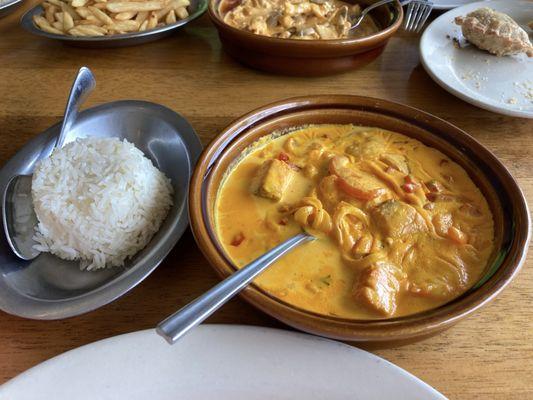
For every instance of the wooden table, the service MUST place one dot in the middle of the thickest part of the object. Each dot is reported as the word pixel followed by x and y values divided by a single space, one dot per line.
pixel 489 355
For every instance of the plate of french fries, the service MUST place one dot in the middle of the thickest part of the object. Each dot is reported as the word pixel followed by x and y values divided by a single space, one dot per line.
pixel 110 22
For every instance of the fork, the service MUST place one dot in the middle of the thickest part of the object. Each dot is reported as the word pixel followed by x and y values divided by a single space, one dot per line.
pixel 417 13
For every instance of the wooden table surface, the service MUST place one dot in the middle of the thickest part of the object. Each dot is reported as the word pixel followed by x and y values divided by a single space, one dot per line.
pixel 489 355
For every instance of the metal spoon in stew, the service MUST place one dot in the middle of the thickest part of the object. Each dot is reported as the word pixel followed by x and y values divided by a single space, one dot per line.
pixel 357 21
pixel 181 322
pixel 18 215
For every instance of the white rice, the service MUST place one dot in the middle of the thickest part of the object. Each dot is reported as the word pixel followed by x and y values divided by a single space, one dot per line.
pixel 99 201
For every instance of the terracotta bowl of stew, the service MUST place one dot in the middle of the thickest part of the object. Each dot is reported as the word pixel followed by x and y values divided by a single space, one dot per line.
pixel 307 57
pixel 503 195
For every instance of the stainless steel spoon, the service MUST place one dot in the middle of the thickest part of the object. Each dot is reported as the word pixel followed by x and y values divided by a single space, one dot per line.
pixel 181 322
pixel 18 215
pixel 357 21
pixel 363 14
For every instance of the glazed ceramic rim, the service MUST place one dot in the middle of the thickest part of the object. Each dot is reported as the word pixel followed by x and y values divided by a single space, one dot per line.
pixel 380 35
pixel 402 328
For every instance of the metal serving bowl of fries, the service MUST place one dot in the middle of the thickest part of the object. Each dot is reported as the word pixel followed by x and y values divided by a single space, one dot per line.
pixel 110 23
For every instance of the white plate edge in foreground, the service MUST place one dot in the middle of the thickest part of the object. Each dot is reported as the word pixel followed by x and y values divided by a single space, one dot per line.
pixel 342 368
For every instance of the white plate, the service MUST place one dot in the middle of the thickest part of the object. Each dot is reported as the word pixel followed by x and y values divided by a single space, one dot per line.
pixel 499 84
pixel 217 362
pixel 448 4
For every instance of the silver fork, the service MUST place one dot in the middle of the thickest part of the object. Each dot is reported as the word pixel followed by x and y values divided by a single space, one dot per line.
pixel 416 15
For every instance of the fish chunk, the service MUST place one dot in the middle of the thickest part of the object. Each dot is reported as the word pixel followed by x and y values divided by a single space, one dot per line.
pixel 378 286
pixel 396 161
pixel 396 219
pixel 272 179
pixel 495 32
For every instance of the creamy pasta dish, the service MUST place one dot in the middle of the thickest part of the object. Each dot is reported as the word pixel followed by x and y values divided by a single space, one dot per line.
pixel 400 227
pixel 296 19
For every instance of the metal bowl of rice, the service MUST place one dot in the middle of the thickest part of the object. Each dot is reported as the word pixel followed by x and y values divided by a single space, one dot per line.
pixel 50 287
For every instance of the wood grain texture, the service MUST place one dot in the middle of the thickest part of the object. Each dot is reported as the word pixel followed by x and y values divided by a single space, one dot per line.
pixel 489 355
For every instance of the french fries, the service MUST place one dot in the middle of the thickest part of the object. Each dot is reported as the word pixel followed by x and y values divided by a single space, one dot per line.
pixel 108 17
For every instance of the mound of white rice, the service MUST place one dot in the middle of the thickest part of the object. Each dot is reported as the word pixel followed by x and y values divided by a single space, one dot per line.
pixel 99 201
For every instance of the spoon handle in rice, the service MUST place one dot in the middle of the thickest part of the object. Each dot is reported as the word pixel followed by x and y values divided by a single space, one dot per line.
pixel 82 86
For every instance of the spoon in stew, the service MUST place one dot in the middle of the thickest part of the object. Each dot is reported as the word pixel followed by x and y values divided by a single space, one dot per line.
pixel 18 214
pixel 181 322
pixel 357 21
pixel 363 14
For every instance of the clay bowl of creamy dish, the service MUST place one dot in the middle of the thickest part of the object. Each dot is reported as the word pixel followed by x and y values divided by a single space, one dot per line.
pixel 303 37
pixel 417 224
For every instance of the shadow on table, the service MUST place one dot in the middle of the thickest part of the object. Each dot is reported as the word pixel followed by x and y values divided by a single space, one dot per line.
pixel 188 45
